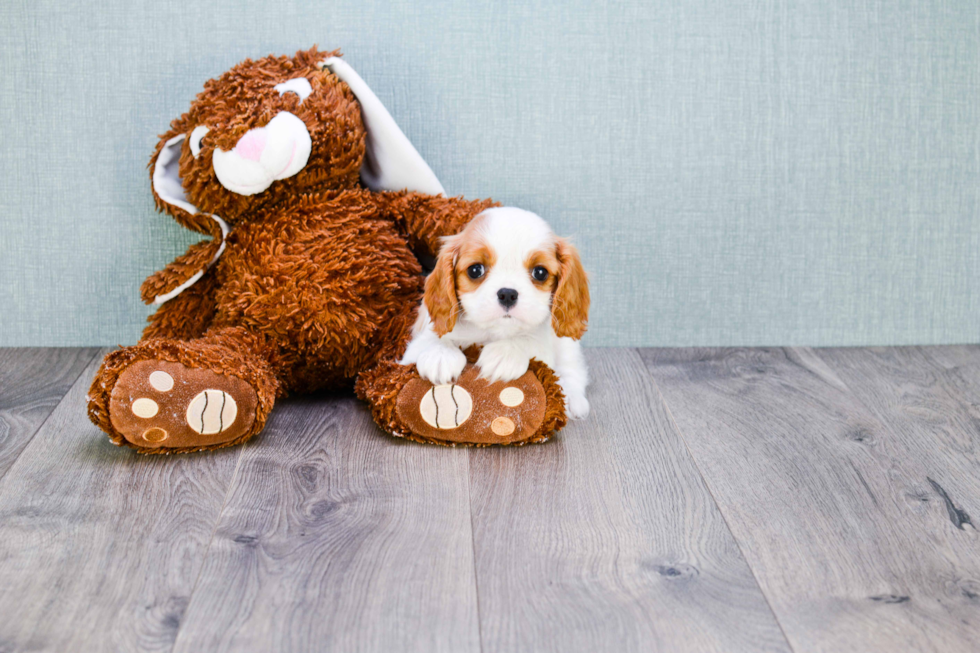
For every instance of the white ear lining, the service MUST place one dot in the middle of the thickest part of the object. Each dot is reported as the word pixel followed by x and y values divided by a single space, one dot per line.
pixel 166 176
pixel 390 160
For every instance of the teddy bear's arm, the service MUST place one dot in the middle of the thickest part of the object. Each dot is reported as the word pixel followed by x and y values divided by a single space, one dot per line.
pixel 187 315
pixel 196 259
pixel 427 218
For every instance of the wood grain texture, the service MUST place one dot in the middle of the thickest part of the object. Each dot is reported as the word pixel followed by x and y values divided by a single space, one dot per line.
pixel 850 479
pixel 607 539
pixel 827 501
pixel 32 382
pixel 337 537
pixel 929 397
pixel 100 547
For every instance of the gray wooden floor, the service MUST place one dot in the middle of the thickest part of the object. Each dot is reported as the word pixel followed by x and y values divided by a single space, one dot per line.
pixel 715 500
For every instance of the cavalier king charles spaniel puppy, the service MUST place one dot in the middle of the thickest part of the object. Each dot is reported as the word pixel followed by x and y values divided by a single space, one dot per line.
pixel 508 283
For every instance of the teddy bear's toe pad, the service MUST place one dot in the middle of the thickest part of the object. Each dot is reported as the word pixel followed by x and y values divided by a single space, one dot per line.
pixel 472 410
pixel 160 404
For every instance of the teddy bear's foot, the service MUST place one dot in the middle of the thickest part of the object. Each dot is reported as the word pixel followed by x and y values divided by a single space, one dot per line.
pixel 473 411
pixel 157 404
pixel 470 411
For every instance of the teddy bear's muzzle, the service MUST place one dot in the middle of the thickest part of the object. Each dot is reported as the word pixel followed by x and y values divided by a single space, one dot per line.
pixel 263 155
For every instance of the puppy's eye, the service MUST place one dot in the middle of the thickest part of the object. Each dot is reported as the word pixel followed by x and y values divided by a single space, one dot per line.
pixel 195 140
pixel 539 273
pixel 475 271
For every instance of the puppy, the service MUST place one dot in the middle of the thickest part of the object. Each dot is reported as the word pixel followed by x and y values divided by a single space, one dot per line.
pixel 505 282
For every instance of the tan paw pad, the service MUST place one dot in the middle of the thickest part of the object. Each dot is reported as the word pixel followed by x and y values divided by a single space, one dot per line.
pixel 511 397
pixel 211 411
pixel 502 426
pixel 155 435
pixel 446 406
pixel 161 381
pixel 145 408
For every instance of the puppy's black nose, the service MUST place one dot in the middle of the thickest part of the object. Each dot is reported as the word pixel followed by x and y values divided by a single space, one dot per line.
pixel 507 297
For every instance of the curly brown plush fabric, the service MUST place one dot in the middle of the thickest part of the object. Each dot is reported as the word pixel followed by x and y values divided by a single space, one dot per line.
pixel 317 285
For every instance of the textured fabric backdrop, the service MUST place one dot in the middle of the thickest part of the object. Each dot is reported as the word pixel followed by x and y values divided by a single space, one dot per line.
pixel 734 171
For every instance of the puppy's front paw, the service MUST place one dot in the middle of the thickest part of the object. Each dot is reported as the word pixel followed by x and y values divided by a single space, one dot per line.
pixel 576 406
pixel 501 361
pixel 439 365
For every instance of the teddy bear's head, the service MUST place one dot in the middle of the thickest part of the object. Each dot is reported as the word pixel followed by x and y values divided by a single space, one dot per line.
pixel 276 127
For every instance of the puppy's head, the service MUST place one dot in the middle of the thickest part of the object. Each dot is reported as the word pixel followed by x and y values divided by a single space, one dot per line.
pixel 507 272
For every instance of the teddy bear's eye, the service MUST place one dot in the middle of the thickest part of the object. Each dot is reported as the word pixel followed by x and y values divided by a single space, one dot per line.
pixel 300 86
pixel 195 141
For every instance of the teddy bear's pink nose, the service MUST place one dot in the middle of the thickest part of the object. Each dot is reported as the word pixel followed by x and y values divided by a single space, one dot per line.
pixel 251 145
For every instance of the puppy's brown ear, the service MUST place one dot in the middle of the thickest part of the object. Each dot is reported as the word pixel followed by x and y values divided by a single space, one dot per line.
pixel 441 299
pixel 570 303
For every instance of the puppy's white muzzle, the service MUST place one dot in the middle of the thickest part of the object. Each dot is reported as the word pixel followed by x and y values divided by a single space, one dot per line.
pixel 276 151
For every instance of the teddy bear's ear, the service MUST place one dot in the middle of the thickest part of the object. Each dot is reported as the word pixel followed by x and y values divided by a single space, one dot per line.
pixel 167 184
pixel 168 190
pixel 390 160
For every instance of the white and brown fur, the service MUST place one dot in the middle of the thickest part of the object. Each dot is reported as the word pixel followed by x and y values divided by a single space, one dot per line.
pixel 512 314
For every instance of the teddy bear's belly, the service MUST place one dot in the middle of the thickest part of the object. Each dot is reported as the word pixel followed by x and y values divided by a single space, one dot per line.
pixel 329 302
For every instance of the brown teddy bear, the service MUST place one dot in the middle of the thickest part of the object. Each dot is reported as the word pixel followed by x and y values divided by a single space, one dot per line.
pixel 310 280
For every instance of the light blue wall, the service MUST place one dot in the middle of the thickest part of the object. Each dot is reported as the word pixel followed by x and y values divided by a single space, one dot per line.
pixel 735 171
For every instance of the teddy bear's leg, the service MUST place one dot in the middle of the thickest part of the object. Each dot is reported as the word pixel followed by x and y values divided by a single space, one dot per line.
pixel 168 396
pixel 470 411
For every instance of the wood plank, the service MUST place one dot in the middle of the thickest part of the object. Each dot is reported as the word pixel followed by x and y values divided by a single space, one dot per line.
pixel 32 382
pixel 824 500
pixel 100 547
pixel 929 397
pixel 339 537
pixel 607 538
